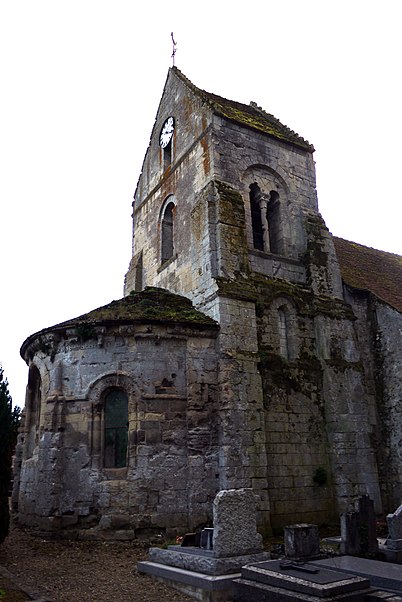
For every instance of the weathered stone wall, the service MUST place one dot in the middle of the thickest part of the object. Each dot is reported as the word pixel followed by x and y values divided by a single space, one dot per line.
pixel 298 458
pixel 379 327
pixel 349 417
pixel 389 394
pixel 242 445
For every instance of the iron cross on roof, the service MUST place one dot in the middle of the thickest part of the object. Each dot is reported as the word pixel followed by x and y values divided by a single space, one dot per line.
pixel 174 47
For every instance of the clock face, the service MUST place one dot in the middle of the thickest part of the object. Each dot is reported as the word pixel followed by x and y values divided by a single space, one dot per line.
pixel 166 132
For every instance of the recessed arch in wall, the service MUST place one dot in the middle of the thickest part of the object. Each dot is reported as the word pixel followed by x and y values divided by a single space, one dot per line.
pixel 113 399
pixel 283 318
pixel 265 177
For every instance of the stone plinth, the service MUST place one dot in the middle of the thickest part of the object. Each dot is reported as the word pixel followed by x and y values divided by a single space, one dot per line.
pixel 203 561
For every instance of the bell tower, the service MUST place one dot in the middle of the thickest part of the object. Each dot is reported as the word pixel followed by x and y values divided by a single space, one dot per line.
pixel 225 213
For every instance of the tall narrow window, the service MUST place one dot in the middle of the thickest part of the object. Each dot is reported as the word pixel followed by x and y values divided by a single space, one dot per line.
pixel 283 328
pixel 116 426
pixel 33 405
pixel 138 274
pixel 167 232
pixel 258 240
pixel 274 224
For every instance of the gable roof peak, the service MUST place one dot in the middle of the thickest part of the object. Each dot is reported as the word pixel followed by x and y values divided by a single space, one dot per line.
pixel 251 116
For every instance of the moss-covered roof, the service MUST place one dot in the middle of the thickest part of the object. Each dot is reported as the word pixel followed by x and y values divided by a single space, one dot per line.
pixel 150 305
pixel 376 271
pixel 250 115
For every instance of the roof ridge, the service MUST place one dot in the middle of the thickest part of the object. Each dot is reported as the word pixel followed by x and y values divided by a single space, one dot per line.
pixel 359 244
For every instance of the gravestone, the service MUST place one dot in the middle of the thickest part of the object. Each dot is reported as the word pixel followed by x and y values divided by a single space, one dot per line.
pixel 367 525
pixel 302 541
pixel 235 524
pixel 394 522
pixel 358 529
pixel 350 541
pixel 207 571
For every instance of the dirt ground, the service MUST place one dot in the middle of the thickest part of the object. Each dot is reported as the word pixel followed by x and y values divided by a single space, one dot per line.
pixel 73 571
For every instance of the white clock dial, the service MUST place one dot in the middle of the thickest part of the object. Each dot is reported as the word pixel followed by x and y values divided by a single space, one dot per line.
pixel 166 132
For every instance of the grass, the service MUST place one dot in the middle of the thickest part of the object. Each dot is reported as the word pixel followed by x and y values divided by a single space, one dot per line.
pixel 9 592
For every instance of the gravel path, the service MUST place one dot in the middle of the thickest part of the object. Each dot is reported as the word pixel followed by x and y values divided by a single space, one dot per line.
pixel 72 571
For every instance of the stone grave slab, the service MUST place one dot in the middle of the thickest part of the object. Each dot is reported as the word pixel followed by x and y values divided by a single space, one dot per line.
pixel 385 575
pixel 304 579
pixel 277 581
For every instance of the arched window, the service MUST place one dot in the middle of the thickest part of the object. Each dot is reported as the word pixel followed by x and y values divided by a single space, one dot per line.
pixel 167 247
pixel 116 428
pixel 33 405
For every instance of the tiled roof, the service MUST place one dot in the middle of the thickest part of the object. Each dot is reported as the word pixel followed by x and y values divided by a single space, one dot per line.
pixel 250 115
pixel 376 271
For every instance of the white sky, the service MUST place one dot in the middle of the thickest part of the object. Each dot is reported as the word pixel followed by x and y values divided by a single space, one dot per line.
pixel 80 85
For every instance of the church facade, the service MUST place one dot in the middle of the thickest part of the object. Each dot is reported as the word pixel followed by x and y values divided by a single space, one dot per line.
pixel 251 348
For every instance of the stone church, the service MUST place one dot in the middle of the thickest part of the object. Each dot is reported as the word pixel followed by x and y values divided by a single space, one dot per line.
pixel 251 348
